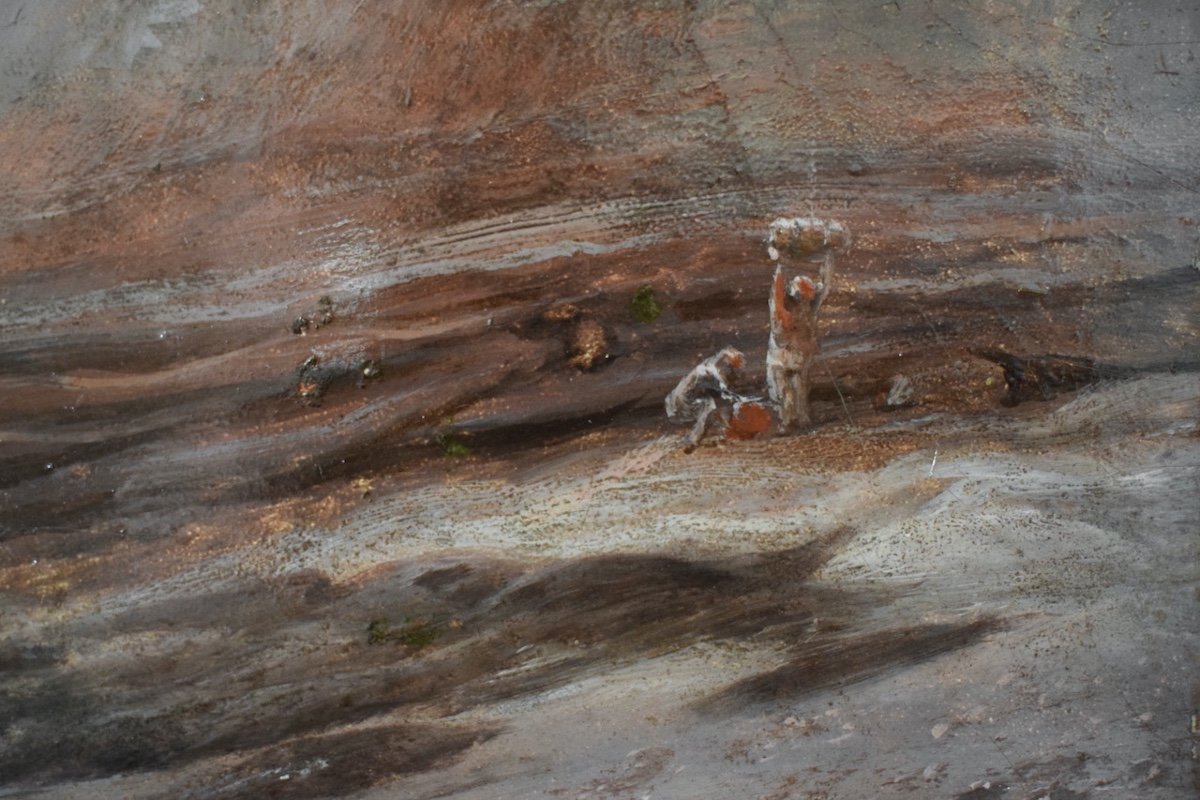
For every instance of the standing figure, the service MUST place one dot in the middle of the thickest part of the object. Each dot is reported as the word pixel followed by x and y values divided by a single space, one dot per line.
pixel 793 305
pixel 704 395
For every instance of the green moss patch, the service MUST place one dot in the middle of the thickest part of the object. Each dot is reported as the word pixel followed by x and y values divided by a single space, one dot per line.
pixel 645 307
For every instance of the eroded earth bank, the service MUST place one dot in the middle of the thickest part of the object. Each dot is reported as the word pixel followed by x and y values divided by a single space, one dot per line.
pixel 334 344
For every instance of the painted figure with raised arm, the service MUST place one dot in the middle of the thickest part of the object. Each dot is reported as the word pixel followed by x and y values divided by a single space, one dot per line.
pixel 793 306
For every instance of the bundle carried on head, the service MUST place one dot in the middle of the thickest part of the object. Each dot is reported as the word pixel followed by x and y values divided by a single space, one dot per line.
pixel 805 236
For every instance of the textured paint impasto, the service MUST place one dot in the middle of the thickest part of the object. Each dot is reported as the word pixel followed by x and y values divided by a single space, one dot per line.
pixel 561 399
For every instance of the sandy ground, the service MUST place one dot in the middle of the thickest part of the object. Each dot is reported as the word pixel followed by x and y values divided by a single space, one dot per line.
pixel 1002 606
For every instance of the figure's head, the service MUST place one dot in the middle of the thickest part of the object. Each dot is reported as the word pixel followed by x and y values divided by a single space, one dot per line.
pixel 732 358
pixel 802 288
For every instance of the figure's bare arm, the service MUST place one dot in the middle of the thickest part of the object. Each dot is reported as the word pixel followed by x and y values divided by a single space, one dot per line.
pixel 781 320
pixel 826 282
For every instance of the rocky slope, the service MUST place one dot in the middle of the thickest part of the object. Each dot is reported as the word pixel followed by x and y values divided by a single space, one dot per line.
pixel 317 316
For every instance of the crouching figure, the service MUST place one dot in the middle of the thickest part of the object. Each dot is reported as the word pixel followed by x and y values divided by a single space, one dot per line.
pixel 703 397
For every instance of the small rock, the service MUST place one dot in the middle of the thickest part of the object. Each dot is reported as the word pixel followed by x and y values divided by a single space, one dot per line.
pixel 975 714
pixel 900 395
pixel 939 730
pixel 564 312
pixel 589 346
pixel 369 370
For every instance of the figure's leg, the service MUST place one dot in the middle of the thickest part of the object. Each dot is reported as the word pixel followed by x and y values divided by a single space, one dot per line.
pixel 704 410
pixel 721 416
pixel 798 416
pixel 776 380
pixel 782 385
pixel 792 387
pixel 677 405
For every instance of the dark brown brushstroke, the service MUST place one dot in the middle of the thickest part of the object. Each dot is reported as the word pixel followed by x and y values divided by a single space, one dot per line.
pixel 839 661
pixel 339 764
pixel 577 617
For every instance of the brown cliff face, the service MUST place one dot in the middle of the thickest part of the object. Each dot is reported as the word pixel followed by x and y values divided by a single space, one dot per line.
pixel 257 258
pixel 445 173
